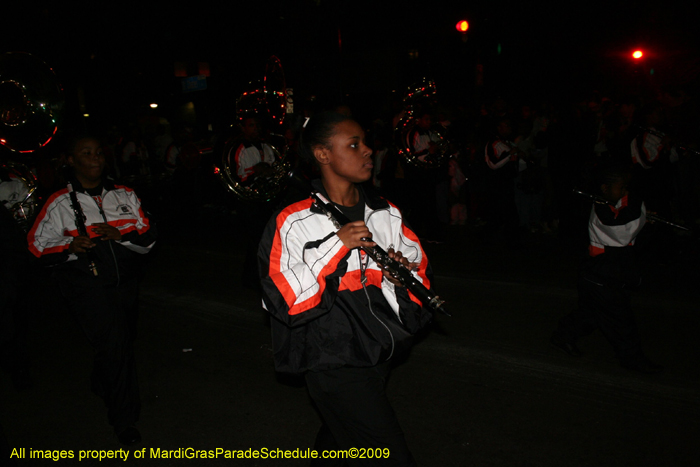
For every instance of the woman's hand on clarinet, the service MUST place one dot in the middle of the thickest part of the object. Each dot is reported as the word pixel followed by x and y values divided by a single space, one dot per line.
pixel 80 244
pixel 355 235
pixel 398 256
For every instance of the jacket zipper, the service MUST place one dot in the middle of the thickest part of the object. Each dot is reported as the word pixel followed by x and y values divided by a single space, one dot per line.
pixel 369 302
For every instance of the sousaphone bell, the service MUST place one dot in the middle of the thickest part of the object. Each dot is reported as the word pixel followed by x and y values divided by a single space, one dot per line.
pixel 267 101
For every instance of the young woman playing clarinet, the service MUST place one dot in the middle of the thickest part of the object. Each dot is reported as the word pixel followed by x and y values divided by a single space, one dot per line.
pixel 339 318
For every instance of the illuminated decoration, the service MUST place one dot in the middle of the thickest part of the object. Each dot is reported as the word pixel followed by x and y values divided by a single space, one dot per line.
pixel 462 26
pixel 266 99
pixel 637 54
pixel 30 100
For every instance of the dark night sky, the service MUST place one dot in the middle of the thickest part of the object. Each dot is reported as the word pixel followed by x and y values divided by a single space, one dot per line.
pixel 123 56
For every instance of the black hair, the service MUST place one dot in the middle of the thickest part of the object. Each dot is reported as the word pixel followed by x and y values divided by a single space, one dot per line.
pixel 73 139
pixel 318 132
pixel 610 174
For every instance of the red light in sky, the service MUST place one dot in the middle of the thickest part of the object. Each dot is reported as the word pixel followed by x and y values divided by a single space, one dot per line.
pixel 462 26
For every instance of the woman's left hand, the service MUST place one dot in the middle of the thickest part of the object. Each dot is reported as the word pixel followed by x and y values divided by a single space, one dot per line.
pixel 107 232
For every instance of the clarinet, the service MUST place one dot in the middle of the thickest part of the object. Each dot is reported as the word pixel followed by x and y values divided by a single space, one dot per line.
pixel 652 217
pixel 395 268
pixel 80 225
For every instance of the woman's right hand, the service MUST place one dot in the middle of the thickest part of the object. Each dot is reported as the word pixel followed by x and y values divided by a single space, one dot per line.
pixel 352 234
pixel 80 244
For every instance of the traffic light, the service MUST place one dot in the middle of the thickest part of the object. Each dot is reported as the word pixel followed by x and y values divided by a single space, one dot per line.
pixel 462 26
pixel 637 54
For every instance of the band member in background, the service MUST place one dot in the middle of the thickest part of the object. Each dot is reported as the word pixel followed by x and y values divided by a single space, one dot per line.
pixel 423 141
pixel 608 274
pixel 135 159
pixel 652 156
pixel 503 160
pixel 253 157
pixel 339 319
pixel 97 272
pixel 15 267
pixel 427 202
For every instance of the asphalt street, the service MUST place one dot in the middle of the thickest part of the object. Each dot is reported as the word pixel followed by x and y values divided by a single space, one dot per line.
pixel 482 388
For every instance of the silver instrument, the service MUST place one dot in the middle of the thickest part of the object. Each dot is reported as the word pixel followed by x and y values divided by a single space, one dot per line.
pixel 18 193
pixel 418 96
pixel 267 101
pixel 30 102
pixel 397 270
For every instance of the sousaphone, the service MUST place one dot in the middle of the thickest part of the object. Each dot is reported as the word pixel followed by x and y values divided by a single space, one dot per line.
pixel 30 100
pixel 268 102
pixel 420 96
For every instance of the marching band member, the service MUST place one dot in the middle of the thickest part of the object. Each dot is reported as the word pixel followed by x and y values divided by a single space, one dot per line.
pixel 422 139
pixel 608 274
pixel 97 273
pixel 15 267
pixel 253 156
pixel 504 162
pixel 338 318
pixel 652 156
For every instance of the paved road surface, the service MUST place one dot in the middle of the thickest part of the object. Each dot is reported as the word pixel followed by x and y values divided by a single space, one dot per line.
pixel 483 388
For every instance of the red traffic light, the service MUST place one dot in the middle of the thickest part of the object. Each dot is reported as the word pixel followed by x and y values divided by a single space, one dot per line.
pixel 462 26
pixel 637 54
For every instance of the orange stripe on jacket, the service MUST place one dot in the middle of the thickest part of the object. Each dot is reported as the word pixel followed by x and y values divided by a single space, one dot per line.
pixel 280 280
pixel 594 251
pixel 32 232
pixel 352 280
pixel 276 255
pixel 623 204
pixel 409 234
pixel 316 299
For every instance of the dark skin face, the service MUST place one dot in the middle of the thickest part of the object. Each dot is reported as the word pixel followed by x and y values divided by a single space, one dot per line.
pixel 425 121
pixel 615 191
pixel 251 129
pixel 88 162
pixel 344 161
